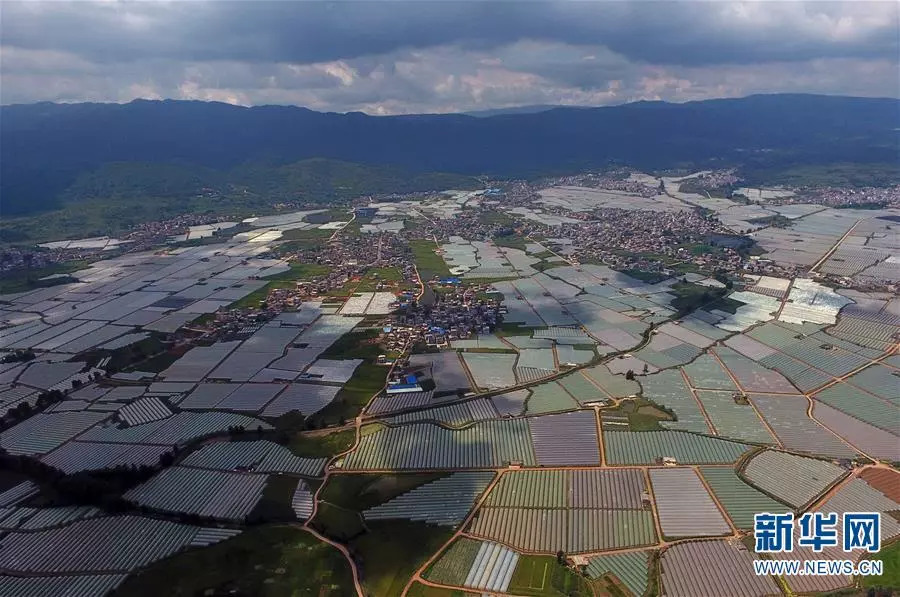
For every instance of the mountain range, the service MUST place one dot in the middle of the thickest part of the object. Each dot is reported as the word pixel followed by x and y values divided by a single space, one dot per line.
pixel 51 154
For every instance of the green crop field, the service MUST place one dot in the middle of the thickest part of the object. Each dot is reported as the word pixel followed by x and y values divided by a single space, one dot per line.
pixel 393 550
pixel 275 504
pixel 269 561
pixel 890 577
pixel 21 280
pixel 356 393
pixel 543 576
pixel 338 523
pixel 317 446
pixel 427 261
pixel 420 590
pixel 310 238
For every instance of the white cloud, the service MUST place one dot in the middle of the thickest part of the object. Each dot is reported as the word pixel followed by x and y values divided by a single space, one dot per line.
pixel 443 57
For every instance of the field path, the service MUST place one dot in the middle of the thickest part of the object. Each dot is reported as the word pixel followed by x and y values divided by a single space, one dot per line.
pixel 357 426
pixel 418 574
pixel 834 248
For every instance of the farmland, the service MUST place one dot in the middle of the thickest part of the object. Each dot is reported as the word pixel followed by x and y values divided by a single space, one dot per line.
pixel 319 445
pixel 891 576
pixel 30 279
pixel 429 263
pixel 272 560
pixel 392 552
pixel 634 423
pixel 541 576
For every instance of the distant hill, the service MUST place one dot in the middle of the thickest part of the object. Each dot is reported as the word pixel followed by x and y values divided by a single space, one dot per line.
pixel 313 179
pixel 514 110
pixel 51 154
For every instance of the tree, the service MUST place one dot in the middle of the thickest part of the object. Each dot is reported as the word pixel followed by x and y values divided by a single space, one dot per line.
pixel 645 368
pixel 561 557
pixel 629 375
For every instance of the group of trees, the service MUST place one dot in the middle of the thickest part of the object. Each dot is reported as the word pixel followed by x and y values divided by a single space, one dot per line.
pixel 722 276
pixel 23 410
pixel 629 375
pixel 692 299
pixel 19 356
pixel 101 488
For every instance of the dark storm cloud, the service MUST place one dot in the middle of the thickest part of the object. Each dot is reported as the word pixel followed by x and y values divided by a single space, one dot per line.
pixel 661 32
pixel 390 57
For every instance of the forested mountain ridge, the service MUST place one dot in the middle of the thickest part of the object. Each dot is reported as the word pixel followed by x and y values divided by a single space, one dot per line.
pixel 51 154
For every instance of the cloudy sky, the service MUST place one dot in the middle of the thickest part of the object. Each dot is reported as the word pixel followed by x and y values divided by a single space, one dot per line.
pixel 443 56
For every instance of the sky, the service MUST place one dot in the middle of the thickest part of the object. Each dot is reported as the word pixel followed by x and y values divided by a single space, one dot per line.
pixel 427 56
